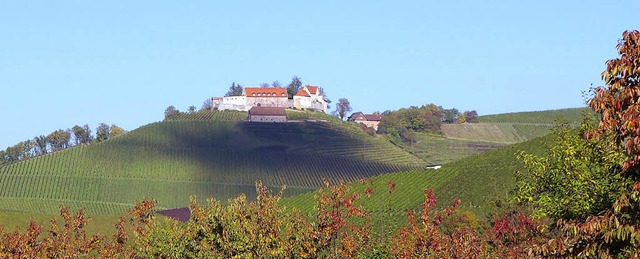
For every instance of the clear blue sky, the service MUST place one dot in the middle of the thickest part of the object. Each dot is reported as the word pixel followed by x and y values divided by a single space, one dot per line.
pixel 64 63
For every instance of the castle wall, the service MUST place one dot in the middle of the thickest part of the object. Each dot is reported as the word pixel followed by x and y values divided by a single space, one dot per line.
pixel 234 100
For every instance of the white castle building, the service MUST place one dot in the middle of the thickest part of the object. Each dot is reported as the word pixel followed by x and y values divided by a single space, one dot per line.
pixel 308 98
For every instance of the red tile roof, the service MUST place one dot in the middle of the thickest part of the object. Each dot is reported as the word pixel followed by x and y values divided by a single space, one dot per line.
pixel 312 89
pixel 265 92
pixel 367 117
pixel 267 111
pixel 302 92
pixel 373 117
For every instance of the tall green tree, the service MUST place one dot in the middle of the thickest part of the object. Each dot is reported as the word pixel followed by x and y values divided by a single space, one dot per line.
pixel 59 139
pixel 41 144
pixel 576 179
pixel 393 123
pixel 12 154
pixel 416 119
pixel 342 108
pixel 433 116
pixel 234 90
pixel 27 149
pixel 88 137
pixel 450 115
pixel 191 109
pixel 102 132
pixel 294 86
pixel 20 151
pixel 82 134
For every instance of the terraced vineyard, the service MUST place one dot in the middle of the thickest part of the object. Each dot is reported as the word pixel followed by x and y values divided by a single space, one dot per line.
pixel 228 115
pixel 493 132
pixel 571 115
pixel 438 150
pixel 505 133
pixel 477 177
pixel 479 181
pixel 203 154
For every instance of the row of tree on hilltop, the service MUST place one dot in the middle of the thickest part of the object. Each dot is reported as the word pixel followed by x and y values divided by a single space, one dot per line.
pixel 58 140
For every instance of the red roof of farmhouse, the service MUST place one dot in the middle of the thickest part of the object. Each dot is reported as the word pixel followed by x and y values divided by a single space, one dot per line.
pixel 373 117
pixel 367 117
pixel 267 111
pixel 312 90
pixel 265 92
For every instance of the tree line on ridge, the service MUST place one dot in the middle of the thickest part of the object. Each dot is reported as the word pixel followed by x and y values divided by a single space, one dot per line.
pixel 58 140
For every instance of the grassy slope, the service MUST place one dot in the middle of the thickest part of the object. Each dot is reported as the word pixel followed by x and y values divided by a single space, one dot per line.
pixel 203 154
pixel 481 180
pixel 477 180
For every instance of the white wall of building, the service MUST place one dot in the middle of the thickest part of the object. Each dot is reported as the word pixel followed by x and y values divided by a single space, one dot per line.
pixel 234 100
pixel 314 102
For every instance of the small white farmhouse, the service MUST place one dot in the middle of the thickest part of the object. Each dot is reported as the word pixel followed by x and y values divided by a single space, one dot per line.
pixel 369 120
pixel 267 114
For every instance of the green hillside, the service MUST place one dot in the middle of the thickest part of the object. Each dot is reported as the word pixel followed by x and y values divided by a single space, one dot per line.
pixel 570 115
pixel 479 159
pixel 479 181
pixel 204 154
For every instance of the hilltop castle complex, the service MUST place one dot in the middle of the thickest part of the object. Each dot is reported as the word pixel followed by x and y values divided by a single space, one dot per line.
pixel 308 98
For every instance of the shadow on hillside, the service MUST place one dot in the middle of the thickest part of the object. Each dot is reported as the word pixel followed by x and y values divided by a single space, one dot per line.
pixel 296 154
